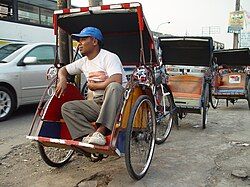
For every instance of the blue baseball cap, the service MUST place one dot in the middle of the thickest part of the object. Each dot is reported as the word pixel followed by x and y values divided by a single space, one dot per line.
pixel 89 31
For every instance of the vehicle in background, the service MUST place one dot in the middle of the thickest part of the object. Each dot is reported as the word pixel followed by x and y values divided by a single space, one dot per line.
pixel 25 20
pixel 23 76
pixel 186 70
pixel 7 49
pixel 232 78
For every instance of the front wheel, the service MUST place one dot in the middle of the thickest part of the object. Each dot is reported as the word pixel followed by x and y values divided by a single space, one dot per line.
pixel 165 113
pixel 7 103
pixel 140 137
pixel 53 156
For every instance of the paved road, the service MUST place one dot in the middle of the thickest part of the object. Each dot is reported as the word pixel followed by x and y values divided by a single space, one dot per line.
pixel 14 130
pixel 190 157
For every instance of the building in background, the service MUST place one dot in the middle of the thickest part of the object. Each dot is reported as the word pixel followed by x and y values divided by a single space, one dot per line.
pixel 26 21
pixel 218 45
pixel 245 33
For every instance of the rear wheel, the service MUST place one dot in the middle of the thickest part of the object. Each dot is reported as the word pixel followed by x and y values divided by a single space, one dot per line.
pixel 53 156
pixel 140 137
pixel 7 103
pixel 205 106
pixel 165 113
pixel 248 94
pixel 213 101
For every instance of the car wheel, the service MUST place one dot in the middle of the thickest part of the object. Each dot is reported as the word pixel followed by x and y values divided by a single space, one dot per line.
pixel 84 91
pixel 7 103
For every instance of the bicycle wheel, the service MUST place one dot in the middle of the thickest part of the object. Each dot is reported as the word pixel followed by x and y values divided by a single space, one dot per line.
pixel 140 137
pixel 213 101
pixel 248 94
pixel 53 156
pixel 165 113
pixel 205 106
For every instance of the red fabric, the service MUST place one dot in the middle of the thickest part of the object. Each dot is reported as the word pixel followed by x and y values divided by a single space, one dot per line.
pixel 126 5
pixel 65 132
pixel 140 18
pixel 66 10
pixel 84 9
pixel 105 7
pixel 53 110
pixel 55 24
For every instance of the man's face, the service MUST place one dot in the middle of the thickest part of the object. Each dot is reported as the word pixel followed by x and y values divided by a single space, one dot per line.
pixel 87 45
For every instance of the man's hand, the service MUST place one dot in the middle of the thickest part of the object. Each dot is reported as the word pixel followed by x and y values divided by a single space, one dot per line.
pixel 93 85
pixel 98 76
pixel 61 87
pixel 62 82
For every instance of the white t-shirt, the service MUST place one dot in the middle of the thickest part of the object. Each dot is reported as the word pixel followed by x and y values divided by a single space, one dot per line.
pixel 104 61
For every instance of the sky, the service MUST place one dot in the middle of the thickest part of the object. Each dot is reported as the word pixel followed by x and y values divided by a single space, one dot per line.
pixel 187 17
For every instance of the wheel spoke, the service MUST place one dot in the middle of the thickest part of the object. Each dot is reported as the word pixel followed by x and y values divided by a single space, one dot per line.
pixel 5 103
pixel 140 146
pixel 165 116
pixel 55 157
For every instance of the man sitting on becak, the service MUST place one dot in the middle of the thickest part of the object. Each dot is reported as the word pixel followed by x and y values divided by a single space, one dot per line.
pixel 106 78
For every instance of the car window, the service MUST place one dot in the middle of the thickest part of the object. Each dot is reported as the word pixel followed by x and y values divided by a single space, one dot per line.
pixel 43 54
pixel 78 56
pixel 8 49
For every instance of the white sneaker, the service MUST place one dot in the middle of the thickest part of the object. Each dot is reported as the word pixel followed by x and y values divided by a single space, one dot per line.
pixel 86 139
pixel 97 138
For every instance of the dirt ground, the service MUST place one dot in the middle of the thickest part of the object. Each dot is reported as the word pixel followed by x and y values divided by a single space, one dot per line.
pixel 216 156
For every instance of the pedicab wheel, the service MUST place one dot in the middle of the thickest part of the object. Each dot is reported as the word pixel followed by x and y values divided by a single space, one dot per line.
pixel 140 137
pixel 205 106
pixel 248 94
pixel 53 156
pixel 213 101
pixel 165 114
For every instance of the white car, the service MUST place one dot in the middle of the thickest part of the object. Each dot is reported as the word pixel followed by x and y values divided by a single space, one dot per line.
pixel 7 49
pixel 23 76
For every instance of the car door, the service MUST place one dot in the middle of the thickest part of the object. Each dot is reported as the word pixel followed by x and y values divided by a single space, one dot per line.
pixel 33 75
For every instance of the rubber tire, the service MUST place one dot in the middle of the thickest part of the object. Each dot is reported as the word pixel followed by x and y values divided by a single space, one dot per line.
pixel 213 104
pixel 248 93
pixel 161 140
pixel 205 106
pixel 50 162
pixel 129 166
pixel 13 102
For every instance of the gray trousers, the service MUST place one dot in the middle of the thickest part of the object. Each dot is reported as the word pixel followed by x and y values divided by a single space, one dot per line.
pixel 103 109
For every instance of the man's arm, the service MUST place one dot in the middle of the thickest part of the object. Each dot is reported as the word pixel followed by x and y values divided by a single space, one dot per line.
pixel 102 85
pixel 62 82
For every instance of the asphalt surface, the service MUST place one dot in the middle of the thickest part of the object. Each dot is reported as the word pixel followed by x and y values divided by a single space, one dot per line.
pixel 217 156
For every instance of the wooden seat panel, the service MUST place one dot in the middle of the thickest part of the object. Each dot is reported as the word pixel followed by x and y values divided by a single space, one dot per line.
pixel 232 81
pixel 186 86
pixel 186 95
